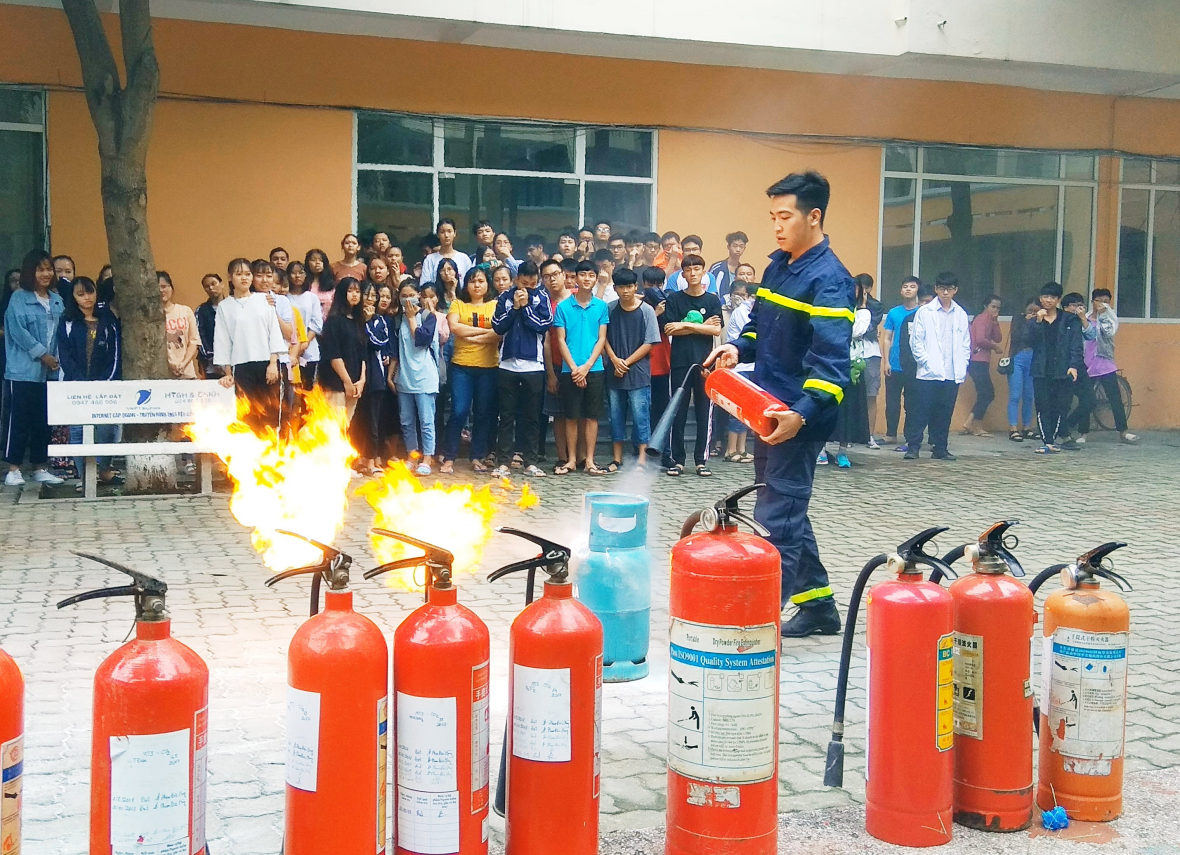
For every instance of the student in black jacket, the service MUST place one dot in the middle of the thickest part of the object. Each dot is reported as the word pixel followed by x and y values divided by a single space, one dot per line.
pixel 1056 341
pixel 89 347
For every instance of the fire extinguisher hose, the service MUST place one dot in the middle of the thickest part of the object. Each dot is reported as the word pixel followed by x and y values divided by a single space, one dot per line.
pixel 1044 576
pixel 834 767
pixel 937 574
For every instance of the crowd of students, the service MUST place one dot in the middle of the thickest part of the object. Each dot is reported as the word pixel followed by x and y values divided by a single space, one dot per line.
pixel 478 354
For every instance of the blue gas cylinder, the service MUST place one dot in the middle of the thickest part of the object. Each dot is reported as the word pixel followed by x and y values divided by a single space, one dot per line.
pixel 612 578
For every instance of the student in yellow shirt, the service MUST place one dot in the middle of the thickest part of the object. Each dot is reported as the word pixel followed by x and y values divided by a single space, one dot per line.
pixel 473 370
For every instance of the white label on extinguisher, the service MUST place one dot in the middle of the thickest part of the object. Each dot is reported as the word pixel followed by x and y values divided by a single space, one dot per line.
pixel 722 704
pixel 12 762
pixel 597 725
pixel 1087 698
pixel 968 676
pixel 200 777
pixel 303 738
pixel 541 714
pixel 150 793
pixel 427 774
pixel 481 725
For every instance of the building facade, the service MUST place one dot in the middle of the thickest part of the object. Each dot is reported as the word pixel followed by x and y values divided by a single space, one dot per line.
pixel 970 142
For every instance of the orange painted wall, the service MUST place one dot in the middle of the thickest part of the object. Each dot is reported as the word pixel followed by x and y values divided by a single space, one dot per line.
pixel 224 180
pixel 713 184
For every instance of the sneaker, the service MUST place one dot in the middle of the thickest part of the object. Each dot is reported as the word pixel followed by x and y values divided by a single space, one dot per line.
pixel 911 454
pixel 842 461
pixel 1129 438
pixel 1081 439
pixel 44 476
pixel 1070 445
pixel 822 460
pixel 819 619
pixel 500 472
pixel 903 447
pixel 873 444
pixel 533 471
pixel 422 469
pixel 943 455
pixel 14 478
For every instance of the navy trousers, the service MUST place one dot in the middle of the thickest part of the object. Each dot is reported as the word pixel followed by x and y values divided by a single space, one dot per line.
pixel 788 470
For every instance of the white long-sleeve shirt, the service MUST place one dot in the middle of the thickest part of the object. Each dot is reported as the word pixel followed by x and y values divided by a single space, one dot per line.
pixel 309 306
pixel 246 330
pixel 940 340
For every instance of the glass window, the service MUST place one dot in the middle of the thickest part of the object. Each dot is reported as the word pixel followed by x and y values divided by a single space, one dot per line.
pixel 1077 167
pixel 22 193
pixel 21 107
pixel 1167 172
pixel 398 203
pixel 1131 298
pixel 618 152
pixel 626 206
pixel 901 158
pixel 519 205
pixel 489 145
pixel 1077 231
pixel 897 237
pixel 961 160
pixel 394 140
pixel 998 238
pixel 1165 256
pixel 1136 170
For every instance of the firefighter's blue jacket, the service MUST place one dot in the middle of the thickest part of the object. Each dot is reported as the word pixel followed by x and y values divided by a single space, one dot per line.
pixel 800 333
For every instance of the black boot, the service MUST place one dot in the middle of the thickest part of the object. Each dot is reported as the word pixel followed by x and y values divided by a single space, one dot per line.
pixel 819 617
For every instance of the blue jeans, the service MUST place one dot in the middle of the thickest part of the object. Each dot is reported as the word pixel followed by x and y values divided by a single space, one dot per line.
pixel 416 411
pixel 102 433
pixel 471 389
pixel 639 401
pixel 1020 389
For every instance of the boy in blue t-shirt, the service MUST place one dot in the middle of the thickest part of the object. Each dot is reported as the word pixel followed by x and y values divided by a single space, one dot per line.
pixel 580 325
pixel 891 344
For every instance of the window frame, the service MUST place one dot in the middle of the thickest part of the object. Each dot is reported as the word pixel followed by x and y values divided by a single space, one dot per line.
pixel 1152 189
pixel 439 170
pixel 43 130
pixel 919 175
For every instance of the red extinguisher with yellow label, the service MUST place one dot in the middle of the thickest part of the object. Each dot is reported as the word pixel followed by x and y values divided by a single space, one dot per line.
pixel 909 763
pixel 555 714
pixel 441 656
pixel 337 721
pixel 150 740
pixel 12 757
pixel 723 686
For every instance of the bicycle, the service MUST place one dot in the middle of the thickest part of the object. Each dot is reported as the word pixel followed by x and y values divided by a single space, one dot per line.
pixel 1102 414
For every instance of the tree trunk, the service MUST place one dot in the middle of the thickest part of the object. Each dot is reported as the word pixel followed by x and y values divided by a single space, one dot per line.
pixel 122 117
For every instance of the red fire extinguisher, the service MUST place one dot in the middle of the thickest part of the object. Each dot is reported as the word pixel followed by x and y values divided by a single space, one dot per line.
pixel 994 619
pixel 337 721
pixel 909 763
pixel 743 399
pixel 441 657
pixel 1083 699
pixel 555 709
pixel 723 686
pixel 150 739
pixel 12 755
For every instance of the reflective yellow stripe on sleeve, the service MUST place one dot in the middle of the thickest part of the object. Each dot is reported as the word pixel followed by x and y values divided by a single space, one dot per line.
pixel 813 594
pixel 824 386
pixel 750 335
pixel 800 306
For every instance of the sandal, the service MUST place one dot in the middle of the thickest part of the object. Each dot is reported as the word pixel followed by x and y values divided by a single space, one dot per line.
pixel 595 469
pixel 479 466
pixel 746 458
pixel 1015 436
pixel 448 468
pixel 614 466
pixel 675 470
pixel 562 469
pixel 703 471
pixel 982 433
pixel 1029 433
pixel 733 457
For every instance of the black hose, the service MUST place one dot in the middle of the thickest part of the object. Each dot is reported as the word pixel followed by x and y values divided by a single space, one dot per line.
pixel 834 768
pixel 938 574
pixel 316 580
pixel 1044 576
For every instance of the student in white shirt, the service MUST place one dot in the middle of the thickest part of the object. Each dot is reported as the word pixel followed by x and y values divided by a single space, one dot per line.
pixel 247 342
pixel 312 311
pixel 940 339
pixel 446 249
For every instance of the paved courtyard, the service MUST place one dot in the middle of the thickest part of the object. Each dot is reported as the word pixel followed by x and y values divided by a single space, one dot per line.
pixel 220 607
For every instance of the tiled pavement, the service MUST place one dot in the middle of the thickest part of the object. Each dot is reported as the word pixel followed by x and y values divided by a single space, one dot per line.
pixel 221 609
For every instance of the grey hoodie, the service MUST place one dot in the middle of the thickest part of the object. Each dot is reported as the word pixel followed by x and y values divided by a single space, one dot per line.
pixel 1107 324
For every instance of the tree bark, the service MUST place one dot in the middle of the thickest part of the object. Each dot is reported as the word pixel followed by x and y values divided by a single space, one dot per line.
pixel 122 116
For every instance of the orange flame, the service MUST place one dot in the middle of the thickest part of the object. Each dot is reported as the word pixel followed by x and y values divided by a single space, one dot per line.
pixel 457 518
pixel 298 483
pixel 527 498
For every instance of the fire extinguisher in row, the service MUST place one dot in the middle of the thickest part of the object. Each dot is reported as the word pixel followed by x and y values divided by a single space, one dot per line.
pixel 554 738
pixel 723 686
pixel 1083 701
pixel 441 658
pixel 993 696
pixel 337 720
pixel 12 755
pixel 909 762
pixel 151 732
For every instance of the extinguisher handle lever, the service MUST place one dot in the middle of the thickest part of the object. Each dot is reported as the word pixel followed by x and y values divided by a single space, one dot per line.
pixel 1092 560
pixel 547 546
pixel 433 557
pixel 143 588
pixel 914 547
pixel 997 541
pixel 101 593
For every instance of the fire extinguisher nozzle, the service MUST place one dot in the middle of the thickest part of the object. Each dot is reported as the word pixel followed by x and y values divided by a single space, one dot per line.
pixel 834 767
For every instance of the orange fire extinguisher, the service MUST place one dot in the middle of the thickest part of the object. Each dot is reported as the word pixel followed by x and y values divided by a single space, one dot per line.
pixel 743 399
pixel 555 710
pixel 909 762
pixel 337 721
pixel 441 656
pixel 723 686
pixel 150 740
pixel 994 619
pixel 12 755
pixel 1083 699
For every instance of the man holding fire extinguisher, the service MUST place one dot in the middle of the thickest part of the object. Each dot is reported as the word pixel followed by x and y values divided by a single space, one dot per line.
pixel 798 338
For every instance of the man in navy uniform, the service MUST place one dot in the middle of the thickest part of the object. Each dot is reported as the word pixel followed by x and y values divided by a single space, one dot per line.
pixel 798 338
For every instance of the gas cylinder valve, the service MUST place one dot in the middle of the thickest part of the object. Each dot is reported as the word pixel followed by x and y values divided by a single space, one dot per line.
pixel 1090 565
pixel 437 561
pixel 333 569
pixel 148 591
